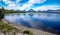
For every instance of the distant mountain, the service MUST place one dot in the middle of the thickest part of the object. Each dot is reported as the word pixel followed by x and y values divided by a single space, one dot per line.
pixel 53 11
pixel 31 10
pixel 50 11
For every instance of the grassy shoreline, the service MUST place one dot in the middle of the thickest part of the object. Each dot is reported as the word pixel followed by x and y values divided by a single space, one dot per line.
pixel 9 27
pixel 34 31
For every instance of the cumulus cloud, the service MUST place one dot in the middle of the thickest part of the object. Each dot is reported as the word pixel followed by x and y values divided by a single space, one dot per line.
pixel 7 2
pixel 36 1
pixel 27 5
pixel 30 3
pixel 47 7
pixel 11 4
pixel 18 1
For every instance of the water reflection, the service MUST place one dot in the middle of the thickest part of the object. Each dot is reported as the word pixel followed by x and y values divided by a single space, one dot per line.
pixel 45 21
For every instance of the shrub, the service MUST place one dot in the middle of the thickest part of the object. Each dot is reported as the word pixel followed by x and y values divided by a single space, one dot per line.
pixel 27 32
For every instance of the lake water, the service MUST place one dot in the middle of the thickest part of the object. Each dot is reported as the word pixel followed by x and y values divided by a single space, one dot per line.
pixel 44 21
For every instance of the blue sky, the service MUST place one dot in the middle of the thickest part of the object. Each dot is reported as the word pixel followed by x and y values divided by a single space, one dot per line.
pixel 30 4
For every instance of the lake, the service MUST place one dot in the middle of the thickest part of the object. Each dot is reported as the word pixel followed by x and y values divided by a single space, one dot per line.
pixel 45 21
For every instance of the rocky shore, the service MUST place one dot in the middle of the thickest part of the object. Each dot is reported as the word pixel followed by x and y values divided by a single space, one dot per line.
pixel 22 28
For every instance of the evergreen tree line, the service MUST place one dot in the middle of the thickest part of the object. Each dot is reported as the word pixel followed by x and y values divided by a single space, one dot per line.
pixel 1 14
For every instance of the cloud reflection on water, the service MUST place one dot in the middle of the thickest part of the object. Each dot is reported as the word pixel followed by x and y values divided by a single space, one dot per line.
pixel 43 20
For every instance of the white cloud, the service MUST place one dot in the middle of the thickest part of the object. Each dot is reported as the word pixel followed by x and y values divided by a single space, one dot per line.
pixel 36 1
pixel 47 7
pixel 18 1
pixel 30 3
pixel 11 5
pixel 8 1
pixel 25 6
pixel 5 0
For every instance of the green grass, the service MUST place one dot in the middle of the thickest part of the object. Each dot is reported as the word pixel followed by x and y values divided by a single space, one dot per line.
pixel 7 28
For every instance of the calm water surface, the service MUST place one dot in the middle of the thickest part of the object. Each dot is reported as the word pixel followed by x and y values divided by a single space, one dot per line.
pixel 46 21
